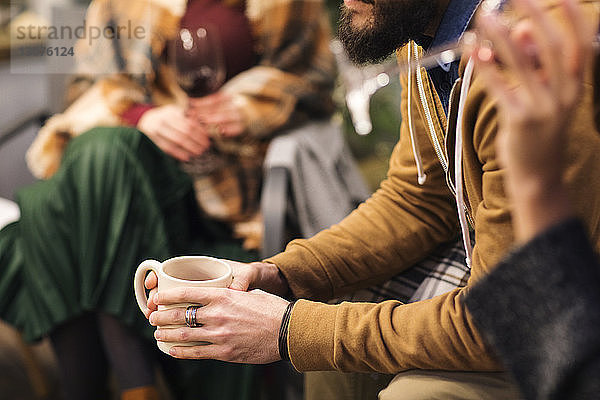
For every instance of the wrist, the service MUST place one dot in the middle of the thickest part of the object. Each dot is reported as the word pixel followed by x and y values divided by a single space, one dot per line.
pixel 538 206
pixel 271 279
pixel 284 353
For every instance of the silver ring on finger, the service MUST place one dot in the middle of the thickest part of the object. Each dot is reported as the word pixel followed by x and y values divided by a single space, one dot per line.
pixel 190 317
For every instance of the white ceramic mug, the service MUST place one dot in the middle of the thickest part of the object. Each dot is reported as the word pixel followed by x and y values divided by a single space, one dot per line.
pixel 186 271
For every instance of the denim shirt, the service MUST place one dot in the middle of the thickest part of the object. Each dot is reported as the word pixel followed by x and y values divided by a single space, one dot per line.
pixel 456 19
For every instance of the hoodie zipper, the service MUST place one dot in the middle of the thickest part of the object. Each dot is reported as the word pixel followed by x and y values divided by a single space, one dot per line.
pixel 436 144
pixel 458 166
pixel 434 139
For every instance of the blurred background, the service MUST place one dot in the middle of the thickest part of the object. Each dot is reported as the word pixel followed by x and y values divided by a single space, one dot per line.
pixel 26 98
pixel 372 151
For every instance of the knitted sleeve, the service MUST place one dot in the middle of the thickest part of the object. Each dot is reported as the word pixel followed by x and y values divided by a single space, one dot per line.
pixel 539 309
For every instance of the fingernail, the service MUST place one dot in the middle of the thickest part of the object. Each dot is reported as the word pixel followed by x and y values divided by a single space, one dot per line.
pixel 157 334
pixel 151 320
pixel 173 352
pixel 485 54
pixel 531 50
pixel 155 299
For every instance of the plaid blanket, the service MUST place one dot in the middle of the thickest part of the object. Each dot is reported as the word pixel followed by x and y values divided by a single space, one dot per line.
pixel 443 270
pixel 291 83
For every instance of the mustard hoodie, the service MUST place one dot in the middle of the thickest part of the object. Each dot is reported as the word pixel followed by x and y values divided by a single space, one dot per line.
pixel 404 221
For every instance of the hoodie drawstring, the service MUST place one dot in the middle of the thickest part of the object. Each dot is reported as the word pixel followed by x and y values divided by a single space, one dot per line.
pixel 421 177
pixel 460 201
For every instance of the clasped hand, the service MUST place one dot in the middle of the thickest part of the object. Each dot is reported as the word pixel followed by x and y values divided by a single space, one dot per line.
pixel 241 326
pixel 185 133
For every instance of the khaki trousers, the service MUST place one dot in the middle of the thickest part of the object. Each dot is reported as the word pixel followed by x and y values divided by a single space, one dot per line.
pixel 332 385
pixel 411 385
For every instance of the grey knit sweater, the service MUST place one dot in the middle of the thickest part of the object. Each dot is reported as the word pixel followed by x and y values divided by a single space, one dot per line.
pixel 540 309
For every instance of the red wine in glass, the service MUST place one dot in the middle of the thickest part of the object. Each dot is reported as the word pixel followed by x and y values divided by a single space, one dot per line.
pixel 198 60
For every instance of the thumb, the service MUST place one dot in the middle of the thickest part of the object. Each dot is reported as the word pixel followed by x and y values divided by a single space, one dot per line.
pixel 241 283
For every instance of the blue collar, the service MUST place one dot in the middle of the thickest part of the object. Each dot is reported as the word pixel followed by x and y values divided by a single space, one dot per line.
pixel 454 23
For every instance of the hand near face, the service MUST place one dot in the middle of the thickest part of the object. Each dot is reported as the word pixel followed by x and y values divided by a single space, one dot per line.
pixel 242 327
pixel 219 112
pixel 546 62
pixel 535 72
pixel 174 132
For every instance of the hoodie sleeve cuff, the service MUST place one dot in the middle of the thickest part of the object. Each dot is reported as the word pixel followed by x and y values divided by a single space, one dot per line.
pixel 311 336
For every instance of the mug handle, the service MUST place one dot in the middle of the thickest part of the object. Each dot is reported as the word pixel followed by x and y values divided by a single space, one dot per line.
pixel 138 282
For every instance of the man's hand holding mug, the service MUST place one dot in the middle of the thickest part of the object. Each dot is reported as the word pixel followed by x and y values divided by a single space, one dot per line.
pixel 232 325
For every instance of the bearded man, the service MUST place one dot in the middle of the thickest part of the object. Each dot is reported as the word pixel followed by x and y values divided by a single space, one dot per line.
pixel 433 346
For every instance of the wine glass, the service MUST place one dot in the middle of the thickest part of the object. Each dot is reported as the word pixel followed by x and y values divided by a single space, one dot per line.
pixel 197 59
pixel 196 56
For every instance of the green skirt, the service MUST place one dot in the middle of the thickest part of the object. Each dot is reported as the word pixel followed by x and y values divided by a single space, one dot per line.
pixel 115 201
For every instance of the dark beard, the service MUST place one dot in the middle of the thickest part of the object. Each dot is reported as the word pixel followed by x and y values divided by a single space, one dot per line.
pixel 392 25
